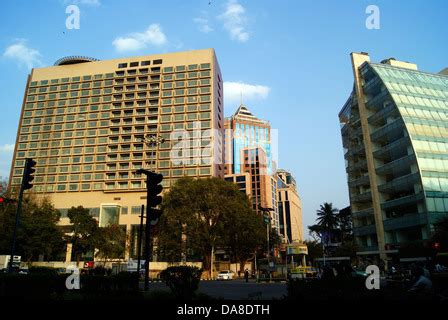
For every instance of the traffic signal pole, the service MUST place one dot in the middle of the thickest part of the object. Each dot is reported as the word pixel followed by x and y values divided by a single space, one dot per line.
pixel 16 226
pixel 147 233
pixel 153 188
pixel 26 184
pixel 140 234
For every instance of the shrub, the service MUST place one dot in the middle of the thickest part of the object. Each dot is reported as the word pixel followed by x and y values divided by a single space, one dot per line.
pixel 35 286
pixel 182 280
pixel 43 270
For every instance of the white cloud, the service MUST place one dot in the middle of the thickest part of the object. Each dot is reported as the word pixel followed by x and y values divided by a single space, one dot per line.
pixel 234 90
pixel 23 54
pixel 235 21
pixel 139 40
pixel 7 148
pixel 203 25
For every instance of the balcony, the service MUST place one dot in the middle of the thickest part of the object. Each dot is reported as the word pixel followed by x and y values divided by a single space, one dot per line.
pixel 363 213
pixel 364 230
pixel 400 144
pixel 390 131
pixel 403 201
pixel 383 114
pixel 363 197
pixel 362 181
pixel 396 166
pixel 372 84
pixel 358 166
pixel 400 184
pixel 376 103
pixel 406 221
pixel 354 150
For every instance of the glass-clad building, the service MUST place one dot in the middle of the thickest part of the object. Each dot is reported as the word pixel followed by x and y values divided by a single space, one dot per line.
pixel 395 139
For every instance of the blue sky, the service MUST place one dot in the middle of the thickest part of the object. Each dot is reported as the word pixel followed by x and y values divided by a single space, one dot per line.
pixel 290 57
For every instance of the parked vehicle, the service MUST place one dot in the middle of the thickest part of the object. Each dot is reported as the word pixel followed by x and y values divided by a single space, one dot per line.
pixel 226 275
pixel 4 262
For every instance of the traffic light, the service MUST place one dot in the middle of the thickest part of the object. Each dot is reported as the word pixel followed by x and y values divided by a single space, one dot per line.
pixel 4 200
pixel 28 173
pixel 154 189
pixel 155 216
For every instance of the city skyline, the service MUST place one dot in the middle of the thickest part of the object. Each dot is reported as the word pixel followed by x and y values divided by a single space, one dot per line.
pixel 238 31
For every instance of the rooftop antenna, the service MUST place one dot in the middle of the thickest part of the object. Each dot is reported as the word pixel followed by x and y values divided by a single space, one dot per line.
pixel 241 97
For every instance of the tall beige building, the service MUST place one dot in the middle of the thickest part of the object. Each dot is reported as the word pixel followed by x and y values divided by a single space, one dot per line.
pixel 84 121
pixel 289 208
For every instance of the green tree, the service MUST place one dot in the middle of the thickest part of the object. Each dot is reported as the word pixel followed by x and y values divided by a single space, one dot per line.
pixel 111 242
pixel 197 214
pixel 84 231
pixel 327 217
pixel 38 233
pixel 244 230
pixel 345 224
pixel 315 249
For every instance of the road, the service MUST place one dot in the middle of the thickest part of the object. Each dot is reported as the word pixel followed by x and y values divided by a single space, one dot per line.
pixel 235 289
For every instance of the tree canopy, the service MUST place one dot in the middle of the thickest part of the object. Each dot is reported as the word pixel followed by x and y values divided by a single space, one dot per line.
pixel 38 233
pixel 200 215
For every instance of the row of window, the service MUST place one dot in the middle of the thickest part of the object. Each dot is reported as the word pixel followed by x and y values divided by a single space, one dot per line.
pixel 73 79
pixel 66 134
pixel 190 67
pixel 71 101
pixel 189 83
pixel 142 63
pixel 50 104
pixel 74 87
pixel 60 135
pixel 182 76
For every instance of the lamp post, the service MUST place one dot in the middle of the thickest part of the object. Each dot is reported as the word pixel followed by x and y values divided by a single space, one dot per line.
pixel 150 141
pixel 268 222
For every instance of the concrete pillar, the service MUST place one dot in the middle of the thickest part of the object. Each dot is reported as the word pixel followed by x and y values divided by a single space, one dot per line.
pixel 68 253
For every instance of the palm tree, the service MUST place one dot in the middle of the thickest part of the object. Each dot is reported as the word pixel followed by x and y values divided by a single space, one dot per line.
pixel 327 217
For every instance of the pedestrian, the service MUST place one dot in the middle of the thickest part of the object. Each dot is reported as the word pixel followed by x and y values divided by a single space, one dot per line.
pixel 246 275
pixel 422 284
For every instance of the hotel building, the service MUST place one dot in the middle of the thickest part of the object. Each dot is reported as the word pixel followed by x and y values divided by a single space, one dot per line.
pixel 84 122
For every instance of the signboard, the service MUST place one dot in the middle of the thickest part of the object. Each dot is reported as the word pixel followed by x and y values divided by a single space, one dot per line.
pixel 297 249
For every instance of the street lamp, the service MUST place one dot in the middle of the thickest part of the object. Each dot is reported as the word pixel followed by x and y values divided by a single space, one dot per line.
pixel 152 140
pixel 267 221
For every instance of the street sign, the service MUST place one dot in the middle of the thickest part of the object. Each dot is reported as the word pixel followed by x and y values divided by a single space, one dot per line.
pixel 297 249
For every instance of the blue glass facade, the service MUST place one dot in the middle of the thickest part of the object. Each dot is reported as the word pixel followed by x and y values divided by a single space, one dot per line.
pixel 250 136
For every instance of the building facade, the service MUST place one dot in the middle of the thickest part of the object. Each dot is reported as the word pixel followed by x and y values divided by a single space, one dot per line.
pixel 395 139
pixel 84 122
pixel 248 150
pixel 289 208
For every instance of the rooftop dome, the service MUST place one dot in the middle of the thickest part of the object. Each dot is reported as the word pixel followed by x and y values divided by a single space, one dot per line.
pixel 73 60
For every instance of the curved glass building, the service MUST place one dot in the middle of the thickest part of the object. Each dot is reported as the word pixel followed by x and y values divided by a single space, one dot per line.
pixel 395 136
